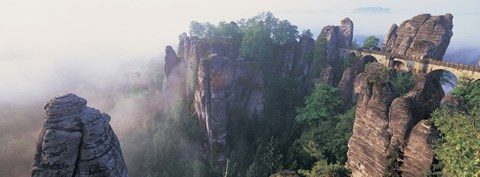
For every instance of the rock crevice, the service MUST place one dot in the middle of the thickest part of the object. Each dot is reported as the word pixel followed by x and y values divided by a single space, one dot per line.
pixel 77 140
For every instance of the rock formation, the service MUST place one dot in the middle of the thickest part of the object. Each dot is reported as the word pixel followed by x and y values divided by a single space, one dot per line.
pixel 367 148
pixel 171 83
pixel 217 81
pixel 77 140
pixel 294 59
pixel 337 37
pixel 423 35
pixel 386 122
pixel 223 85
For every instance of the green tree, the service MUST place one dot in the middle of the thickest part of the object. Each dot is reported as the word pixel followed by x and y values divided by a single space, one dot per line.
pixel 284 32
pixel 323 169
pixel 403 82
pixel 320 55
pixel 322 105
pixel 256 43
pixel 197 29
pixel 228 31
pixel 459 146
pixel 371 42
pixel 306 33
pixel 267 160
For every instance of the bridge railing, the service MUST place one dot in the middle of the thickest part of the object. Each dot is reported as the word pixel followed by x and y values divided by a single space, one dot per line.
pixel 455 65
pixel 422 59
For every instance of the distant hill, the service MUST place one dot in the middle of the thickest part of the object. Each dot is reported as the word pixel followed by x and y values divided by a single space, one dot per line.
pixel 372 10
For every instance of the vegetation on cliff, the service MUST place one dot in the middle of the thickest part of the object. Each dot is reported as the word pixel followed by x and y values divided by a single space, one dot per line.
pixel 301 131
pixel 458 150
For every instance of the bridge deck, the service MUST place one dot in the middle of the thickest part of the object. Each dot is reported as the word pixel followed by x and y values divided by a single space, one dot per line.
pixel 385 57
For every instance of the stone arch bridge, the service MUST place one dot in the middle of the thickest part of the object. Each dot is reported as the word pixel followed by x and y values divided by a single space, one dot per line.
pixel 416 64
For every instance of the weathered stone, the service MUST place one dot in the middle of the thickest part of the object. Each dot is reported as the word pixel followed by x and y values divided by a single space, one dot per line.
pixel 346 88
pixel 303 58
pixel 404 122
pixel 384 122
pixel 337 37
pixel 347 33
pixel 223 85
pixel 77 141
pixel 368 145
pixel 174 72
pixel 423 35
pixel 418 155
pixel 217 83
pixel 295 60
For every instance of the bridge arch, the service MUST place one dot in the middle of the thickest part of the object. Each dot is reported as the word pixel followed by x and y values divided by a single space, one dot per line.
pixel 447 79
pixel 368 59
pixel 352 55
pixel 400 66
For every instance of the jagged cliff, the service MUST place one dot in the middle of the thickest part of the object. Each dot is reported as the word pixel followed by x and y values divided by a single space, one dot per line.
pixel 391 133
pixel 77 140
pixel 216 81
pixel 337 37
pixel 219 82
pixel 423 35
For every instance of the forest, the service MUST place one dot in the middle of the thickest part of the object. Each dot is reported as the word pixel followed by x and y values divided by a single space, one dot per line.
pixel 304 131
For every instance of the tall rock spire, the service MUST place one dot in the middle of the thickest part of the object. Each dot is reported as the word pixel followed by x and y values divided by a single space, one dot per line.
pixel 77 140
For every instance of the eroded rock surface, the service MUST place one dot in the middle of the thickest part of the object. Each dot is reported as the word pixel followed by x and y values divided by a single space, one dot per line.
pixel 217 84
pixel 423 35
pixel 77 141
pixel 387 122
pixel 368 146
pixel 337 37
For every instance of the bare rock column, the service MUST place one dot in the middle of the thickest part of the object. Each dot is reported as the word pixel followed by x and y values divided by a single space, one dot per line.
pixel 77 141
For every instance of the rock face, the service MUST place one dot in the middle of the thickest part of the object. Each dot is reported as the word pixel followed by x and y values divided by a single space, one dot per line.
pixel 220 83
pixel 386 122
pixel 217 82
pixel 337 37
pixel 171 83
pixel 77 141
pixel 423 35
pixel 367 148
pixel 223 85
pixel 294 59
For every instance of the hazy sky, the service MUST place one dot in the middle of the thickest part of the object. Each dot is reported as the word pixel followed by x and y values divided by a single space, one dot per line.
pixel 52 44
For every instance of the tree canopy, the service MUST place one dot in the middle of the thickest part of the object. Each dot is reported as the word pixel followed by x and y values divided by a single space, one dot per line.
pixel 371 42
pixel 459 147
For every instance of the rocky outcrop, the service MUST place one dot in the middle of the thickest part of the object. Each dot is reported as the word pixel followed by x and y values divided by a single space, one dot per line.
pixel 346 84
pixel 423 35
pixel 303 54
pixel 367 148
pixel 418 155
pixel 77 140
pixel 294 59
pixel 173 70
pixel 386 122
pixel 217 82
pixel 220 82
pixel 337 37
pixel 223 85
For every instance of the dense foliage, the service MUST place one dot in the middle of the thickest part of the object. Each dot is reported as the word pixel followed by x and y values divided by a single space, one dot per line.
pixel 319 55
pixel 294 135
pixel 371 42
pixel 403 82
pixel 325 130
pixel 459 147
